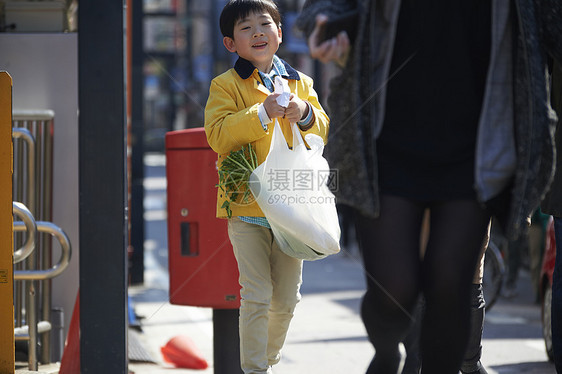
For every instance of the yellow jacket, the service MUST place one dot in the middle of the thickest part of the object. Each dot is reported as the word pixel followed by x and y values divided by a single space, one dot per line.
pixel 231 119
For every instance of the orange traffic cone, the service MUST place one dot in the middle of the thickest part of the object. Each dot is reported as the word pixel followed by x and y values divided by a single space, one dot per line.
pixel 182 352
pixel 70 362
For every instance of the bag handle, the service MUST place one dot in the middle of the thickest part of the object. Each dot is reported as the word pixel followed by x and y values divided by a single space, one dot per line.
pixel 277 138
pixel 297 136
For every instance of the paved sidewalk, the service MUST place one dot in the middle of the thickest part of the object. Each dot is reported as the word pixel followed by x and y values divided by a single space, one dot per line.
pixel 326 334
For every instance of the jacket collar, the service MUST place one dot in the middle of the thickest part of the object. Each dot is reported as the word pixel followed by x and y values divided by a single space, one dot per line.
pixel 245 69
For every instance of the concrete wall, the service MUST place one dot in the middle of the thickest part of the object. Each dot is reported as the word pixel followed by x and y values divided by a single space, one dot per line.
pixel 44 69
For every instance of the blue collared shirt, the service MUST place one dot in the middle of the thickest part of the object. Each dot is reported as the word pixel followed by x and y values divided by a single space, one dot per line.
pixel 268 80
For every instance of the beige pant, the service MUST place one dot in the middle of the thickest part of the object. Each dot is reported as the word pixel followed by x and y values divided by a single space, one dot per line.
pixel 270 282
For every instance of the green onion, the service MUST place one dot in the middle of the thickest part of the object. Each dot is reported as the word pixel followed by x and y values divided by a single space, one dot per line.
pixel 234 176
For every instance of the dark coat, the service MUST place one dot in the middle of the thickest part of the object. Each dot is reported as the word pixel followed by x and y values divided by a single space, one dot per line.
pixel 552 203
pixel 356 104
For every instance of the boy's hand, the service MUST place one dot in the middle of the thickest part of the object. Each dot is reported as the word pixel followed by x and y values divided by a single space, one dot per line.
pixel 273 109
pixel 297 109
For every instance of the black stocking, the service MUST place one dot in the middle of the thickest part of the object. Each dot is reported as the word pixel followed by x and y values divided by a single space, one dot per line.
pixel 457 233
pixel 390 246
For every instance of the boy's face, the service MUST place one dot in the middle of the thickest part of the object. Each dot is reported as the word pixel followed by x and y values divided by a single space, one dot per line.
pixel 256 39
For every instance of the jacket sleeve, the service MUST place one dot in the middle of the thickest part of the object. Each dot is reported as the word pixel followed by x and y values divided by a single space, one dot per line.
pixel 321 124
pixel 228 128
pixel 549 14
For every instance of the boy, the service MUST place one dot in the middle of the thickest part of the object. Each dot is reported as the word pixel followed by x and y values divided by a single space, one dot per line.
pixel 241 109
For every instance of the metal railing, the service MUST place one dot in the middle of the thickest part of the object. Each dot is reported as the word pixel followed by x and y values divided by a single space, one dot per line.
pixel 32 133
pixel 34 327
pixel 58 268
pixel 31 227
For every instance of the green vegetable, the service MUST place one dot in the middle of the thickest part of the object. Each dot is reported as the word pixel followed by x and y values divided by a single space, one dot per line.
pixel 234 176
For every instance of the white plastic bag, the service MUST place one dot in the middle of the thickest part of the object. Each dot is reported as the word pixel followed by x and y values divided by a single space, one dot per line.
pixel 291 188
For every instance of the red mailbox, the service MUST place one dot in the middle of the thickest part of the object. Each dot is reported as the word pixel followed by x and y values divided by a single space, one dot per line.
pixel 202 267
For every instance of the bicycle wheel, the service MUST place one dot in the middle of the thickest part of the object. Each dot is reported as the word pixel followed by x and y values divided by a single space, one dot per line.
pixel 494 270
pixel 546 312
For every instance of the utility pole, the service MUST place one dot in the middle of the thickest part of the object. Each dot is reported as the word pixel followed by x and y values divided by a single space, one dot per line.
pixel 102 187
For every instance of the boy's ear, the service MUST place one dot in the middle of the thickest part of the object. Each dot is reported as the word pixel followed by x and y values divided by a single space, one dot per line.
pixel 280 34
pixel 229 44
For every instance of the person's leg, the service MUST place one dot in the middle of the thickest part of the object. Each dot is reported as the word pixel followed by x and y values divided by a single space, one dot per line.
pixel 536 250
pixel 344 213
pixel 413 362
pixel 286 277
pixel 390 249
pixel 457 232
pixel 471 362
pixel 515 249
pixel 252 249
pixel 557 297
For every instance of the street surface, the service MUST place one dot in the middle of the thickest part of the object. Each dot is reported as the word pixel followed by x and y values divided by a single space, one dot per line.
pixel 326 334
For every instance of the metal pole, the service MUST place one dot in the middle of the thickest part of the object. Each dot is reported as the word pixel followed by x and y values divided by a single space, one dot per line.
pixel 102 188
pixel 31 263
pixel 31 318
pixel 57 334
pixel 20 181
pixel 226 341
pixel 46 243
pixel 137 165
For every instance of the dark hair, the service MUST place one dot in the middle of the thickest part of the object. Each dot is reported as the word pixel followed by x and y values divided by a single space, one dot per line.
pixel 238 9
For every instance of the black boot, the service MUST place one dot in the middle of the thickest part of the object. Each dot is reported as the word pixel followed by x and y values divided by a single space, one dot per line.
pixel 471 363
